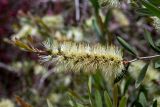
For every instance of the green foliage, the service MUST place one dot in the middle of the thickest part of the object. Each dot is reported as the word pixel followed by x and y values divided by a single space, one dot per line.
pixel 141 75
pixel 144 12
pixel 107 99
pixel 142 99
pixel 95 4
pixel 123 102
pixel 49 103
pixel 126 46
pixel 98 99
pixel 152 8
pixel 154 103
pixel 150 41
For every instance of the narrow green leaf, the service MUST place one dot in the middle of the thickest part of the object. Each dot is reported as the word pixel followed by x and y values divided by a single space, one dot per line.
pixel 141 75
pixel 75 95
pixel 80 105
pixel 49 103
pixel 90 93
pixel 90 84
pixel 98 99
pixel 107 99
pixel 23 45
pixel 120 76
pixel 142 99
pixel 95 4
pixel 41 23
pixel 157 64
pixel 115 95
pixel 91 100
pixel 98 79
pixel 150 41
pixel 72 102
pixel 123 102
pixel 144 12
pixel 155 2
pixel 154 103
pixel 149 38
pixel 137 104
pixel 153 9
pixel 96 28
pixel 126 46
pixel 107 18
pixel 128 82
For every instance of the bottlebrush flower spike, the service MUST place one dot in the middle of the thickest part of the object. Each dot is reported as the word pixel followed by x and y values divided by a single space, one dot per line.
pixel 156 23
pixel 77 57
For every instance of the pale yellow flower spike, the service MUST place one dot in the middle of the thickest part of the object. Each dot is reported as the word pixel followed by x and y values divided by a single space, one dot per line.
pixel 109 3
pixel 77 57
pixel 6 103
pixel 156 23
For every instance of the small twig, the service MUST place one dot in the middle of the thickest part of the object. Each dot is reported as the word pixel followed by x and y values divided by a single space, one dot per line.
pixel 8 68
pixel 77 10
pixel 142 58
pixel 44 77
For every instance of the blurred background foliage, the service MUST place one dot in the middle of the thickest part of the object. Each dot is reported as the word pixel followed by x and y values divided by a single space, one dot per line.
pixel 91 21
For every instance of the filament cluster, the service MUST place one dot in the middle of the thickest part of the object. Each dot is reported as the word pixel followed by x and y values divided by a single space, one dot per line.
pixel 156 23
pixel 109 3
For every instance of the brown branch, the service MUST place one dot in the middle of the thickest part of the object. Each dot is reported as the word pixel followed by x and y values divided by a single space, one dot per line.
pixel 142 58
